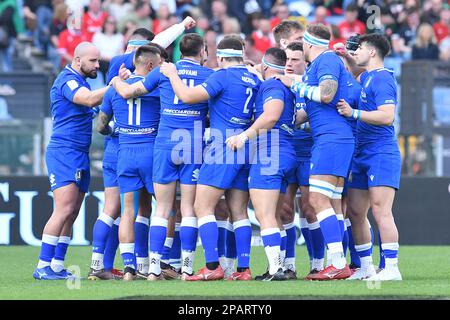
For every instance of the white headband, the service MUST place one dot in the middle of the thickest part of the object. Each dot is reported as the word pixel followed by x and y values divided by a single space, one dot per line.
pixel 314 41
pixel 271 65
pixel 229 53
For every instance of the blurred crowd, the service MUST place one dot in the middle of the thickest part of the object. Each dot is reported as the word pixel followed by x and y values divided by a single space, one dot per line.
pixel 417 29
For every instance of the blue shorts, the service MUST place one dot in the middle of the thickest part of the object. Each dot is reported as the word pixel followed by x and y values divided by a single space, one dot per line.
pixel 66 166
pixel 110 174
pixel 109 164
pixel 273 172
pixel 224 168
pixel 332 159
pixel 171 165
pixel 301 177
pixel 135 167
pixel 375 168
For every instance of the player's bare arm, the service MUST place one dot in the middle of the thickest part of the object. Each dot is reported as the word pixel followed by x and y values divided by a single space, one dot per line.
pixel 267 120
pixel 183 92
pixel 88 98
pixel 328 89
pixel 383 116
pixel 128 91
pixel 103 124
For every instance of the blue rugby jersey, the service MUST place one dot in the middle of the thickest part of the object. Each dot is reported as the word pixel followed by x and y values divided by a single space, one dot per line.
pixel 379 87
pixel 136 118
pixel 174 113
pixel 327 125
pixel 272 89
pixel 116 62
pixel 72 123
pixel 232 93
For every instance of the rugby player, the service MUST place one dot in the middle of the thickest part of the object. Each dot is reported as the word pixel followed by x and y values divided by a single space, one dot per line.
pixel 324 84
pixel 376 169
pixel 67 156
pixel 274 130
pixel 138 121
pixel 231 93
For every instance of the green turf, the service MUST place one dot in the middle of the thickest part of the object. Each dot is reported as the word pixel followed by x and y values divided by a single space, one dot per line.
pixel 425 270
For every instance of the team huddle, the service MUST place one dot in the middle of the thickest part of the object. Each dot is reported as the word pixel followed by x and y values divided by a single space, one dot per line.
pixel 308 120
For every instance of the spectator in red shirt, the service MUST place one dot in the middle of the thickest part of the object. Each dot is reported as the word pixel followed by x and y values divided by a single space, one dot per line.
pixel 68 40
pixel 94 18
pixel 335 36
pixel 263 37
pixel 351 25
pixel 281 13
pixel 441 28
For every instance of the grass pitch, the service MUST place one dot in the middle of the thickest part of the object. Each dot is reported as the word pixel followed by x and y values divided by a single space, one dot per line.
pixel 425 270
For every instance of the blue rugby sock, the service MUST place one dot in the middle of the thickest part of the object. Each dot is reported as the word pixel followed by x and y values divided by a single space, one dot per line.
pixel 222 235
pixel 354 257
pixel 188 237
pixel 102 228
pixel 111 246
pixel 175 252
pixel 291 242
pixel 128 257
pixel 243 239
pixel 230 248
pixel 304 228
pixel 141 236
pixel 382 263
pixel 57 263
pixel 271 238
pixel 48 246
pixel 332 235
pixel 209 234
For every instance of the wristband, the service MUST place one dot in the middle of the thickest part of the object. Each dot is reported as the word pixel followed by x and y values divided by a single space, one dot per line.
pixel 243 137
pixel 356 114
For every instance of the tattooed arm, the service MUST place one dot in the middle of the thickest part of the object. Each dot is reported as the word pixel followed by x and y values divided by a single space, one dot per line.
pixel 103 124
pixel 328 89
pixel 128 91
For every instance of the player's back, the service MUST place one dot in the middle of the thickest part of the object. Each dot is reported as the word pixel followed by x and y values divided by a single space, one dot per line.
pixel 232 94
pixel 174 113
pixel 379 87
pixel 272 89
pixel 326 123
pixel 137 118
pixel 72 123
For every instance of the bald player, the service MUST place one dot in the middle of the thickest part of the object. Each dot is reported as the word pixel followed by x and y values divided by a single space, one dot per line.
pixel 67 156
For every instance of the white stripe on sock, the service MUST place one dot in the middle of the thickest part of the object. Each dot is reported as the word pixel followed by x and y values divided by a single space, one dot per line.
pixel 106 219
pixel 126 248
pixel 269 231
pixel 206 219
pixel 363 247
pixel 242 223
pixel 159 221
pixel 64 239
pixel 51 240
pixel 314 225
pixel 143 220
pixel 189 222
pixel 325 214
pixel 390 246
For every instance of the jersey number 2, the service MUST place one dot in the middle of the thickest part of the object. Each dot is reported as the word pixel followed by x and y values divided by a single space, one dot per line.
pixel 249 91
pixel 131 103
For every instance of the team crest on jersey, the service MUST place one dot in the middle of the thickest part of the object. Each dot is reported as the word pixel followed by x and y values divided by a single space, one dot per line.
pixel 78 175
pixel 195 174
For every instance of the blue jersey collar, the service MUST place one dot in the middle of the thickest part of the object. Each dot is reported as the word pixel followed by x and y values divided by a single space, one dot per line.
pixel 72 70
pixel 189 61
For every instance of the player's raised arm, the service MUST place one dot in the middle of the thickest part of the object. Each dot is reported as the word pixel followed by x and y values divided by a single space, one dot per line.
pixel 354 69
pixel 165 38
pixel 183 92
